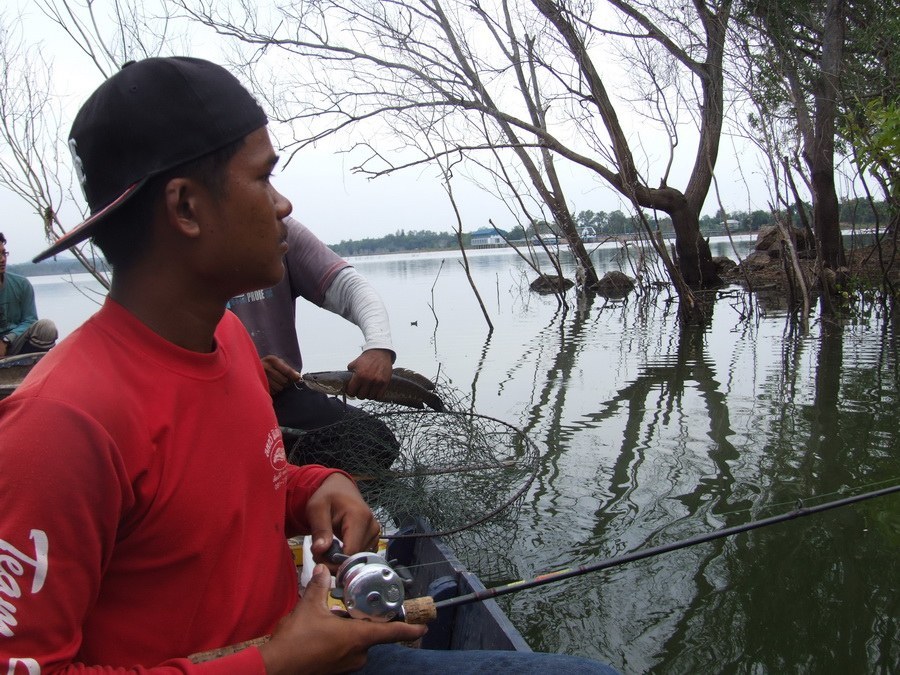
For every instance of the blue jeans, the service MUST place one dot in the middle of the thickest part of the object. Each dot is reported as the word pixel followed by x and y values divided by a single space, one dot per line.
pixel 399 659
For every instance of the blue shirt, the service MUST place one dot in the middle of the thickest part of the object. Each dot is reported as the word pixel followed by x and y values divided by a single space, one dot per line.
pixel 17 308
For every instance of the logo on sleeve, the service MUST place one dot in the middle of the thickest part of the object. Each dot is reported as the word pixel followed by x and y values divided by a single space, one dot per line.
pixel 277 457
pixel 14 565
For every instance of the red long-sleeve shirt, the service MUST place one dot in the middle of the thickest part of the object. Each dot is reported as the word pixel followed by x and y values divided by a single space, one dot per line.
pixel 144 502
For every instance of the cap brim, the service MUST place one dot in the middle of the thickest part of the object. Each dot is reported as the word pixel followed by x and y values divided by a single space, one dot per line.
pixel 84 230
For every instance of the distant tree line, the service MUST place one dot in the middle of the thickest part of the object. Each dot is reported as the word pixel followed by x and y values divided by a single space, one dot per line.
pixel 61 265
pixel 398 242
pixel 856 212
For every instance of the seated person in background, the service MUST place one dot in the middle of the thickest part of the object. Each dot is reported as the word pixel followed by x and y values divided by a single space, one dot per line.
pixel 21 332
pixel 346 438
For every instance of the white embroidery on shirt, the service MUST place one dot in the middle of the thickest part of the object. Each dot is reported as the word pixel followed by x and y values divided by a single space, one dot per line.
pixel 32 667
pixel 274 450
pixel 12 567
pixel 251 296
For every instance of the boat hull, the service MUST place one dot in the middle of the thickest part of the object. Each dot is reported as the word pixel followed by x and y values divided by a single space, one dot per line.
pixel 13 370
pixel 438 573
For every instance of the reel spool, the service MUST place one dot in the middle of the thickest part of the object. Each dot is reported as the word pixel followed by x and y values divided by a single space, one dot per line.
pixel 371 587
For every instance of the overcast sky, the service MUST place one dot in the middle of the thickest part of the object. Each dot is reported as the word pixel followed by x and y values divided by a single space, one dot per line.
pixel 338 204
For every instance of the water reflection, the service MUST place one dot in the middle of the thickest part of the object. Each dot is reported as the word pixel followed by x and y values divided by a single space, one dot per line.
pixel 783 599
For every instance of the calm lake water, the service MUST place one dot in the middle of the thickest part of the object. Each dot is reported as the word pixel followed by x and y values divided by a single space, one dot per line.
pixel 650 433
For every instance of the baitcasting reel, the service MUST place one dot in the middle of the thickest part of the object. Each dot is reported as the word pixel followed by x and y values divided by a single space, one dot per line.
pixel 370 586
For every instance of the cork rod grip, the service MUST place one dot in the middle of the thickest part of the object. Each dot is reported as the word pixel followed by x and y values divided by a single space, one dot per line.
pixel 201 657
pixel 419 610
pixel 416 611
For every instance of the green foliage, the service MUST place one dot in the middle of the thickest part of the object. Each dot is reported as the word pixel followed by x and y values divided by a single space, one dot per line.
pixel 400 241
pixel 857 212
pixel 860 211
pixel 542 227
pixel 857 296
pixel 617 223
pixel 874 130
pixel 518 232
pixel 759 218
pixel 790 40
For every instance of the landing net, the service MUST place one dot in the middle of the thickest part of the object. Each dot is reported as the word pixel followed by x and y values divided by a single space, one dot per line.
pixel 459 471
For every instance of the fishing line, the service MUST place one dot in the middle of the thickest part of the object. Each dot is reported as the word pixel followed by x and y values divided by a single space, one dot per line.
pixel 800 512
pixel 840 491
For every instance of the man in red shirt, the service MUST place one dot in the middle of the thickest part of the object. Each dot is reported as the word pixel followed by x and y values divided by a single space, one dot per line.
pixel 146 496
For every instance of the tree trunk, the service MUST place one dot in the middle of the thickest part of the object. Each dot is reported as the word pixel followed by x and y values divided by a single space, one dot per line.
pixel 820 157
pixel 694 259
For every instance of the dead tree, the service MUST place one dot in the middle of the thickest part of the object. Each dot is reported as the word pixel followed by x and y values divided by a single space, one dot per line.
pixel 30 131
pixel 520 77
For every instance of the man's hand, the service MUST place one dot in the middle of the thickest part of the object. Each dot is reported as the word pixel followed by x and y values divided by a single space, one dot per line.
pixel 311 639
pixel 371 374
pixel 336 507
pixel 279 373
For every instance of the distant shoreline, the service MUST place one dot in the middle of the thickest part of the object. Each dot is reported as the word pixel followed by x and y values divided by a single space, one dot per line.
pixel 56 267
pixel 69 265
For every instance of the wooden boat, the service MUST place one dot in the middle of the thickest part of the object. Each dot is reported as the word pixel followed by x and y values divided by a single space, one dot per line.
pixel 13 370
pixel 438 573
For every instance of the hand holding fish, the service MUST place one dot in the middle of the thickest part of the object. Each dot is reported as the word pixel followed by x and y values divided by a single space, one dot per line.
pixel 279 373
pixel 371 374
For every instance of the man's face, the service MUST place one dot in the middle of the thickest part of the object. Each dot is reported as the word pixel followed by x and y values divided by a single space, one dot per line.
pixel 4 254
pixel 247 235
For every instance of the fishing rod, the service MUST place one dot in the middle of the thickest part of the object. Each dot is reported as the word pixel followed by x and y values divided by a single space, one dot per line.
pixel 372 588
pixel 550 577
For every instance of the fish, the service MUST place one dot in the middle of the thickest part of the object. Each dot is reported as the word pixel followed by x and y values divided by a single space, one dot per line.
pixel 418 378
pixel 405 388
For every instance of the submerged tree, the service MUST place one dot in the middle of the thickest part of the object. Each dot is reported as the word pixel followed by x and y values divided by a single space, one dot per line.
pixel 523 83
pixel 823 71
pixel 800 56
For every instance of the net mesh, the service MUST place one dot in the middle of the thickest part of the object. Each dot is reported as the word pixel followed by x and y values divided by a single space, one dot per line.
pixel 464 473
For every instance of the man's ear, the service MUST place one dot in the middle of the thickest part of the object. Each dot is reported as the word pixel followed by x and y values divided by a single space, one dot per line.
pixel 184 203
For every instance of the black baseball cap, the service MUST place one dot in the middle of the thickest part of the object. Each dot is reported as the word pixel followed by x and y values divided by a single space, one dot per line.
pixel 151 116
